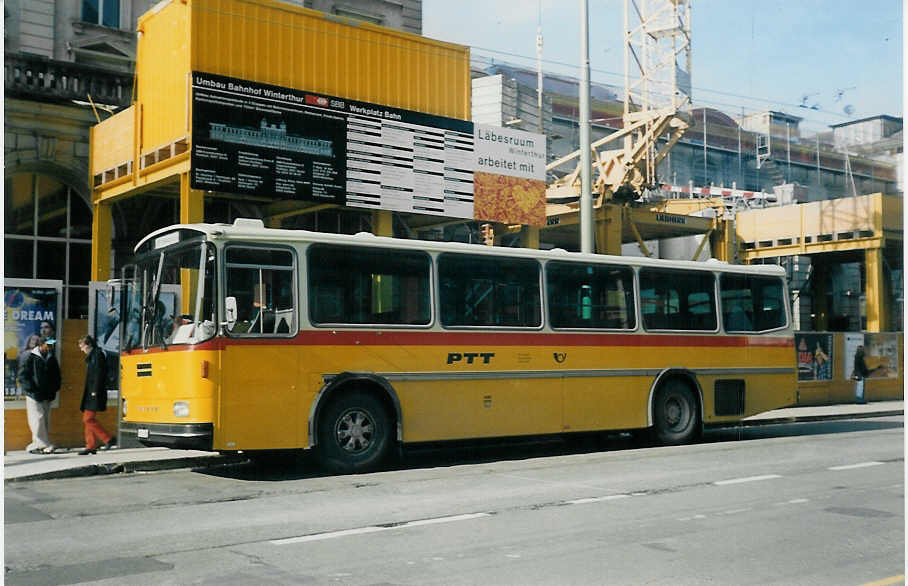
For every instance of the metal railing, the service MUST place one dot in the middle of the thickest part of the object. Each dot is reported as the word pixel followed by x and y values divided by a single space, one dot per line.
pixel 40 78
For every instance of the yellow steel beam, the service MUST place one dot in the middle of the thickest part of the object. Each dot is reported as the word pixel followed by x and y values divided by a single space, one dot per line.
pixel 703 241
pixel 875 291
pixel 608 225
pixel 643 248
pixel 192 202
pixel 145 179
pixel 686 225
pixel 529 237
pixel 722 243
pixel 814 247
pixel 383 223
pixel 192 211
pixel 101 234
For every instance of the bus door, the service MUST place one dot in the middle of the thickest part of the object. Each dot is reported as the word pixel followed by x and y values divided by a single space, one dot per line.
pixel 260 361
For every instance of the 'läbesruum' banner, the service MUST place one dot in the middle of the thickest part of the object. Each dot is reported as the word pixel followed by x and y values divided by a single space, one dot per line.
pixel 271 141
pixel 509 176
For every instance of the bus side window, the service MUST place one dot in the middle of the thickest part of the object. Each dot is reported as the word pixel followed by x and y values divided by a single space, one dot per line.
pixel 771 304
pixel 678 300
pixel 738 320
pixel 594 296
pixel 364 285
pixel 261 280
pixel 489 291
pixel 752 303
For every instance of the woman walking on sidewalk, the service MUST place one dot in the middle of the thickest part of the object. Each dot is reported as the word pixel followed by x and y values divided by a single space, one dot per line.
pixel 94 397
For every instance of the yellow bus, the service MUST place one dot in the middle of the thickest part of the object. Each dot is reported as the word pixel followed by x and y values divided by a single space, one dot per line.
pixel 351 344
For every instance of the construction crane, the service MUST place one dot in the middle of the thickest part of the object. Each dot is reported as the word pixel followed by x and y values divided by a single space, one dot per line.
pixel 657 51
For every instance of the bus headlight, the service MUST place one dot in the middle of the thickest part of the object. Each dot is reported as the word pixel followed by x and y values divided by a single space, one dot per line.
pixel 124 407
pixel 181 409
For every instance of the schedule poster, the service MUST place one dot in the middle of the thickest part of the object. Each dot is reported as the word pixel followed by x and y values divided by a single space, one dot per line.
pixel 264 140
pixel 271 141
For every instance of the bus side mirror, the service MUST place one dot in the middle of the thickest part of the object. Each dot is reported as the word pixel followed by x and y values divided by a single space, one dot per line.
pixel 230 311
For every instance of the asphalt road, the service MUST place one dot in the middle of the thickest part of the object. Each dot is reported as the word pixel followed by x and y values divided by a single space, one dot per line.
pixel 810 503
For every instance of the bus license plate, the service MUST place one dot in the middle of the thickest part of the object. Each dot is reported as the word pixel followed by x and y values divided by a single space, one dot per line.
pixel 142 433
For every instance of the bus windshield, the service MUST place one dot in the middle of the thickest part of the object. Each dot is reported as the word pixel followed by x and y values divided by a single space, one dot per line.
pixel 176 294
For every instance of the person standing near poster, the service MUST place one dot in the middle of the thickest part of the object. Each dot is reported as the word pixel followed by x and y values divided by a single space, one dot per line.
pixel 39 379
pixel 30 344
pixel 859 373
pixel 94 397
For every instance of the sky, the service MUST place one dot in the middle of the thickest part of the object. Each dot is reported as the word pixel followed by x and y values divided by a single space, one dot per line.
pixel 745 55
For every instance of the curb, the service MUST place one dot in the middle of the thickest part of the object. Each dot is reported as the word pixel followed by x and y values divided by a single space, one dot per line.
pixel 132 467
pixel 216 460
pixel 811 418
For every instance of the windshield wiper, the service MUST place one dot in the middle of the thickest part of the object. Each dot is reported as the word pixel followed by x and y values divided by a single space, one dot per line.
pixel 148 309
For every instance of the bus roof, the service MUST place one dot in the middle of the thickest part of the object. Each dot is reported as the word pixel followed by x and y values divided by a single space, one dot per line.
pixel 255 230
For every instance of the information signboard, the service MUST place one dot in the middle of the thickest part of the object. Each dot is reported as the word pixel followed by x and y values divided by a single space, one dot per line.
pixel 265 140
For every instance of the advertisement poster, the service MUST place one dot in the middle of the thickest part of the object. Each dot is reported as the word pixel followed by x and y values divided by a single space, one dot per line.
pixel 509 178
pixel 880 353
pixel 815 359
pixel 271 141
pixel 31 310
pixel 105 325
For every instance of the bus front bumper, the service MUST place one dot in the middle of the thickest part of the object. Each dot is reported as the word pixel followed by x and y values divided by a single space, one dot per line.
pixel 184 436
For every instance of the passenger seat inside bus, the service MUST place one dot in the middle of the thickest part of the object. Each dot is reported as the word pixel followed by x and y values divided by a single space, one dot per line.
pixel 737 320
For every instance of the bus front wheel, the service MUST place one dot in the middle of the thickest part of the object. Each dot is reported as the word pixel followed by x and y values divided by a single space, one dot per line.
pixel 354 433
pixel 675 414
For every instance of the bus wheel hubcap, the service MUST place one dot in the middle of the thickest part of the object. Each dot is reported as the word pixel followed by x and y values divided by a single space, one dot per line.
pixel 674 412
pixel 354 431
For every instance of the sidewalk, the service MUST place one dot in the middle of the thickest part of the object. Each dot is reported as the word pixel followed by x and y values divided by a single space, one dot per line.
pixel 19 466
pixel 64 463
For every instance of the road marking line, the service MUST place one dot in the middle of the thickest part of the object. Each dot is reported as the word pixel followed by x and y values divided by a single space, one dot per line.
pixel 798 501
pixel 329 535
pixel 900 579
pixel 375 529
pixel 747 479
pixel 450 519
pixel 597 499
pixel 853 466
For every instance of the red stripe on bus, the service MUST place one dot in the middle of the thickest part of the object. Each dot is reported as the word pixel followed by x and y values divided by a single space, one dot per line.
pixel 400 338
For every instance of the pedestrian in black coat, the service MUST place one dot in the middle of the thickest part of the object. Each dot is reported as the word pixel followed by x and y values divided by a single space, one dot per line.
pixel 94 396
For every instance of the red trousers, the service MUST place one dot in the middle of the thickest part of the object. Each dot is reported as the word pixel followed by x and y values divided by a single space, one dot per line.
pixel 93 429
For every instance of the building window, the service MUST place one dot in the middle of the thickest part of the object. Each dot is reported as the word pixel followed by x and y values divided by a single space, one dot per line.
pixel 103 12
pixel 356 13
pixel 47 235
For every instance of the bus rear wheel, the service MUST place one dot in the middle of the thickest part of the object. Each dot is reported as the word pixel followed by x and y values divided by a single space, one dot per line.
pixel 354 433
pixel 675 414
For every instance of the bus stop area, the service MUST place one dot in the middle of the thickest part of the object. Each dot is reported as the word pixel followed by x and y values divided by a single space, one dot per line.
pixel 20 466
